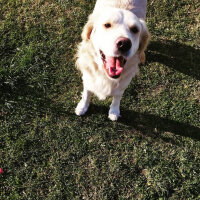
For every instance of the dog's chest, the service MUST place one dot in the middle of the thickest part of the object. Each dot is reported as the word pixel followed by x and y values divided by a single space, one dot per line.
pixel 104 87
pixel 101 87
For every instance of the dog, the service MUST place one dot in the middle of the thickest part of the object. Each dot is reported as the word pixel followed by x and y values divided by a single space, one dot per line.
pixel 113 43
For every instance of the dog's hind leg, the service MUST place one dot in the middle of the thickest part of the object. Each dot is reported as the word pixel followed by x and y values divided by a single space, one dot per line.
pixel 83 105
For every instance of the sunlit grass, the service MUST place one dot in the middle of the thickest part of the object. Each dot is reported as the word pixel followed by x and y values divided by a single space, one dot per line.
pixel 47 152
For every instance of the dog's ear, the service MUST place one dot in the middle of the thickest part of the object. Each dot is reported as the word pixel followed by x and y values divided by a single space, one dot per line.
pixel 87 30
pixel 144 40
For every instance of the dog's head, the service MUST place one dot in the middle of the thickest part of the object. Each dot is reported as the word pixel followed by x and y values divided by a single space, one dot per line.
pixel 117 35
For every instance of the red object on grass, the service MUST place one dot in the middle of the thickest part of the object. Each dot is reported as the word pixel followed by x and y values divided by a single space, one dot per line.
pixel 1 171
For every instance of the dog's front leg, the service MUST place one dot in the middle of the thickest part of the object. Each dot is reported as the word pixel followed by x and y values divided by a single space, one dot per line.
pixel 83 105
pixel 114 111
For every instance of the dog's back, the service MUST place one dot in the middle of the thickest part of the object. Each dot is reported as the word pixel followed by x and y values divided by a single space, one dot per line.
pixel 138 7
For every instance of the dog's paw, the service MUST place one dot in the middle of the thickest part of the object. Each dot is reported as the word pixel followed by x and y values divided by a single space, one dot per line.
pixel 113 116
pixel 81 109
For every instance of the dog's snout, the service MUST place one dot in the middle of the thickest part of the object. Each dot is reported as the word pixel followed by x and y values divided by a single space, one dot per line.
pixel 123 44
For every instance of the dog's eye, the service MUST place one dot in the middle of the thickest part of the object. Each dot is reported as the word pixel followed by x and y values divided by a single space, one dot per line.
pixel 134 29
pixel 107 25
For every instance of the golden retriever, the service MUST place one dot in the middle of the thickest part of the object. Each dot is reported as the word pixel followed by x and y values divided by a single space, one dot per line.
pixel 113 43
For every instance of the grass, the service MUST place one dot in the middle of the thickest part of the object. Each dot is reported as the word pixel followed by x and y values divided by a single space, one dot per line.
pixel 47 152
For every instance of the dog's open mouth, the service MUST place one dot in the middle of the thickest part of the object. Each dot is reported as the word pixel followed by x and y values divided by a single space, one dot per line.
pixel 113 65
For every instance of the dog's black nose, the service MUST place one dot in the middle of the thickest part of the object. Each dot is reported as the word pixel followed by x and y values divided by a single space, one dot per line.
pixel 123 44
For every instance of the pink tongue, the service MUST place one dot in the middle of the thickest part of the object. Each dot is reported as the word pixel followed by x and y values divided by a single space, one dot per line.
pixel 114 66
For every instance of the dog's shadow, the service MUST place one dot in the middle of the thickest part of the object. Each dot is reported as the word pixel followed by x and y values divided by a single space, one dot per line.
pixel 180 57
pixel 149 124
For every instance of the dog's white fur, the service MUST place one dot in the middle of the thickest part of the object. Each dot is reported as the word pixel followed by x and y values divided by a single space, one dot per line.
pixel 95 37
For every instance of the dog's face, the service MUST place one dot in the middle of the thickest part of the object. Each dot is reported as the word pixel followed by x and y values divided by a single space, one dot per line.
pixel 116 35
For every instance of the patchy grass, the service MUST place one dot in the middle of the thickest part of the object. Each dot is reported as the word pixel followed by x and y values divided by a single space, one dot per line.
pixel 47 152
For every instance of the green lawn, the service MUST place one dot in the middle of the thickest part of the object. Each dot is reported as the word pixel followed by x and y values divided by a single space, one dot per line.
pixel 47 152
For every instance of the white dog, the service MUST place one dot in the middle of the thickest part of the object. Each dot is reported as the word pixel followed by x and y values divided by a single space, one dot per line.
pixel 113 44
